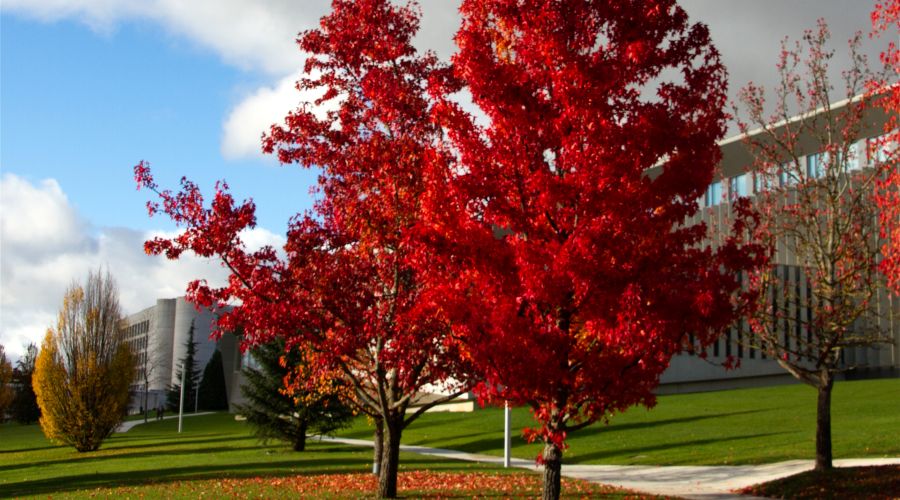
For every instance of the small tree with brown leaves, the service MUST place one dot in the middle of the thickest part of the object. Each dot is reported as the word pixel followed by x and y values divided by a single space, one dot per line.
pixel 84 370
pixel 818 219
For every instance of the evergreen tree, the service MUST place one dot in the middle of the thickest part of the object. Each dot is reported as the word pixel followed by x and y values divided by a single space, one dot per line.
pixel 25 409
pixel 6 385
pixel 189 361
pixel 213 394
pixel 273 413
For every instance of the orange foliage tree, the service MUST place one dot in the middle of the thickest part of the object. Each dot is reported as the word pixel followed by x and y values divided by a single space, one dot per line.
pixel 83 372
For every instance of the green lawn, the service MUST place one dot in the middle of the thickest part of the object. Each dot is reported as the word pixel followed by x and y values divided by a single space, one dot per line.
pixel 729 427
pixel 217 457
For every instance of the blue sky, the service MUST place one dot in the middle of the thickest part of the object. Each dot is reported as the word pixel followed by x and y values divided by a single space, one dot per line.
pixel 90 87
pixel 83 107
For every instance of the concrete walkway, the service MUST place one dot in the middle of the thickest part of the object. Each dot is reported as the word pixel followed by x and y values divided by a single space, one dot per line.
pixel 127 426
pixel 697 482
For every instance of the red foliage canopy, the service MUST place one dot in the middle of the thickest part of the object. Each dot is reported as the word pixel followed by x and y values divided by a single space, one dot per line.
pixel 346 286
pixel 886 19
pixel 561 246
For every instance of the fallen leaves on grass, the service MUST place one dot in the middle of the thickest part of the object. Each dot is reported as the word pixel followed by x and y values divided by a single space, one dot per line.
pixel 411 484
pixel 850 483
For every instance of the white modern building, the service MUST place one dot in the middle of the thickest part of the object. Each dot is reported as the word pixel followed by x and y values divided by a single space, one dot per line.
pixel 158 336
pixel 689 373
pixel 159 333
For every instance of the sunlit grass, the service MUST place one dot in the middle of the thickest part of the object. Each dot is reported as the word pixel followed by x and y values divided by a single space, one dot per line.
pixel 217 457
pixel 746 426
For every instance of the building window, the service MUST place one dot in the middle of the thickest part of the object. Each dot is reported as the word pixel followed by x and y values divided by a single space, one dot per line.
pixel 763 182
pixel 714 194
pixel 876 150
pixel 737 187
pixel 785 178
pixel 815 165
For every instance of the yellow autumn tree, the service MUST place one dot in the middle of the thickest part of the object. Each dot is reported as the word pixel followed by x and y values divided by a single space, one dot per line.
pixel 84 370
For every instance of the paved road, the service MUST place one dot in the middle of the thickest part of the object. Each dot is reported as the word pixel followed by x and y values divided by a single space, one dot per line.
pixel 698 482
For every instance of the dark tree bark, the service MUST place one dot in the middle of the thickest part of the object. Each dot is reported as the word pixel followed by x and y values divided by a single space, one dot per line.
pixel 552 471
pixel 300 438
pixel 390 458
pixel 823 424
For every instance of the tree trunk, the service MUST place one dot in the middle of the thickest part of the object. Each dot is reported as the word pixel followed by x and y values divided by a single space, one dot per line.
pixel 300 438
pixel 823 424
pixel 390 460
pixel 379 447
pixel 552 471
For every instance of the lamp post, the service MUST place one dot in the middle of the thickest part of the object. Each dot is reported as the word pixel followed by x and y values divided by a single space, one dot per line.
pixel 507 438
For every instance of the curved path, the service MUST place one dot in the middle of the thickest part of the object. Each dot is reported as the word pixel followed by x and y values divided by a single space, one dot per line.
pixel 694 481
pixel 128 425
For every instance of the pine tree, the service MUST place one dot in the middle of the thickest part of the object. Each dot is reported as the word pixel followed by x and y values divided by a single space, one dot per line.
pixel 273 413
pixel 7 393
pixel 25 409
pixel 191 377
pixel 213 394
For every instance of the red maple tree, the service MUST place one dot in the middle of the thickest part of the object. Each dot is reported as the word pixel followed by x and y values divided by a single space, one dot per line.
pixel 886 19
pixel 560 243
pixel 346 291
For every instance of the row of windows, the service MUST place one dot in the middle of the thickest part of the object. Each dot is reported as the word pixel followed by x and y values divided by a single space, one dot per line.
pixel 137 329
pixel 871 150
pixel 792 322
pixel 138 344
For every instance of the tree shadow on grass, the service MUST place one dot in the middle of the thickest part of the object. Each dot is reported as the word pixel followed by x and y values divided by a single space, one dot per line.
pixel 617 452
pixel 167 440
pixel 442 441
pixel 98 458
pixel 632 426
pixel 494 443
pixel 67 483
pixel 312 465
pixel 49 446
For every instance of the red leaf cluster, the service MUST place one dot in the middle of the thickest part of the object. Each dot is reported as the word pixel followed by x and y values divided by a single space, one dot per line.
pixel 560 246
pixel 886 19
pixel 543 254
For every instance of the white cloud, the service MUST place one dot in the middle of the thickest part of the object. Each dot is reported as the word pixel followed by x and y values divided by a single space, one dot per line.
pixel 255 114
pixel 259 35
pixel 47 246
pixel 256 35
pixel 252 35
